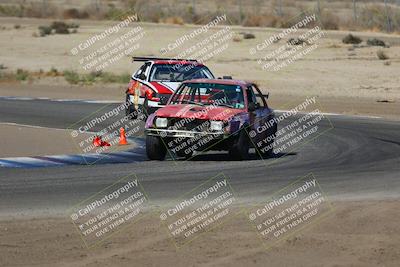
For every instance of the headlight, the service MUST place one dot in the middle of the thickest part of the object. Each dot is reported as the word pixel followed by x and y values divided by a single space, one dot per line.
pixel 161 122
pixel 216 125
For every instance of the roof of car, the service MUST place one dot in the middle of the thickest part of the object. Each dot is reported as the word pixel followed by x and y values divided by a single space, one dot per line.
pixel 219 81
pixel 174 62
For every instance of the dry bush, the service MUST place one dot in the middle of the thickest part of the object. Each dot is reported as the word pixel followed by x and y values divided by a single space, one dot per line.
pixel 351 39
pixel 236 39
pixel 41 10
pixel 329 21
pixel 248 35
pixel 253 21
pixel 382 55
pixel 173 20
pixel 375 42
pixel 374 17
pixel 73 13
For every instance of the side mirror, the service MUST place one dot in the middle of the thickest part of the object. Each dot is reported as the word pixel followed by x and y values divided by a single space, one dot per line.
pixel 252 107
pixel 142 76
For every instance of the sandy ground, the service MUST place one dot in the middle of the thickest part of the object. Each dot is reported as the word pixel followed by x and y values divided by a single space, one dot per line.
pixel 347 80
pixel 357 233
pixel 22 141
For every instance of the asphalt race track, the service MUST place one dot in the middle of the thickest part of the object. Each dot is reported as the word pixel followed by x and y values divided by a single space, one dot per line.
pixel 359 158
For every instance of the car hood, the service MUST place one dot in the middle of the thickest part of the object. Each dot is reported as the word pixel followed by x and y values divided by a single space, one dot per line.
pixel 196 111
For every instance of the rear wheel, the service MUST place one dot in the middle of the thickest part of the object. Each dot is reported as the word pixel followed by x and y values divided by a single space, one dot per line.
pixel 240 147
pixel 155 149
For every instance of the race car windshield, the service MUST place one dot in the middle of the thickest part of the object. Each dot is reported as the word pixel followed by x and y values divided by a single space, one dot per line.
pixel 209 94
pixel 177 73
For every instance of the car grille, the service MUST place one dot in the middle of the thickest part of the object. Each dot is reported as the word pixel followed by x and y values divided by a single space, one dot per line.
pixel 188 124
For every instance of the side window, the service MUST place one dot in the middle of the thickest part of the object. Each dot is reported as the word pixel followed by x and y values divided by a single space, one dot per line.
pixel 142 69
pixel 251 98
pixel 256 98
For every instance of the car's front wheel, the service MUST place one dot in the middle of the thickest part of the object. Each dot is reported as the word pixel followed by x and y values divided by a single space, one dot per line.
pixel 155 149
pixel 240 148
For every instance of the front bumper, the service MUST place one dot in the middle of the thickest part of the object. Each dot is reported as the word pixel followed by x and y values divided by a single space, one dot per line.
pixel 184 134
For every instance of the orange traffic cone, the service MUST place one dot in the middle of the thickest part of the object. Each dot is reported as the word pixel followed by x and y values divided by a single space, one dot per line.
pixel 98 142
pixel 122 137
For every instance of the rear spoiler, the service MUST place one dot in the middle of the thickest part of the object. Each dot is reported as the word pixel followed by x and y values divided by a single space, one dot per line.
pixel 143 59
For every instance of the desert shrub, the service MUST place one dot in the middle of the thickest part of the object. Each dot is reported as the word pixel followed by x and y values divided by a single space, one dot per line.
pixel 71 76
pixel 52 72
pixel 174 20
pixel 44 30
pixel 17 26
pixel 296 41
pixel 236 39
pixel 60 27
pixel 114 78
pixel 351 39
pixel 373 16
pixel 115 13
pixel 247 35
pixel 21 75
pixel 253 21
pixel 155 16
pixel 73 25
pixel 95 76
pixel 382 55
pixel 329 21
pixel 11 11
pixel 74 13
pixel 375 42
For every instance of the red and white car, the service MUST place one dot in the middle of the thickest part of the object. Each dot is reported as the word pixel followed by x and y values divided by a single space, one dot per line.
pixel 156 80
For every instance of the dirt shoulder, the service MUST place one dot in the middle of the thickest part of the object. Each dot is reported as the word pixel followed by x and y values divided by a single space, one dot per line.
pixel 23 141
pixel 20 140
pixel 357 233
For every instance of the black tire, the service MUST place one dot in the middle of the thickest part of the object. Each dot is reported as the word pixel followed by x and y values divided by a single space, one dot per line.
pixel 240 147
pixel 130 110
pixel 155 149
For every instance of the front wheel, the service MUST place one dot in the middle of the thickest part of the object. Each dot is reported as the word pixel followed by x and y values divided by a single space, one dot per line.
pixel 240 148
pixel 155 149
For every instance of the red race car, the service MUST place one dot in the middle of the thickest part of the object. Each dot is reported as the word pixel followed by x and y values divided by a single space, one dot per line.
pixel 212 114
pixel 156 80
